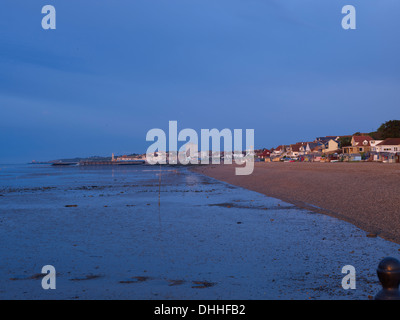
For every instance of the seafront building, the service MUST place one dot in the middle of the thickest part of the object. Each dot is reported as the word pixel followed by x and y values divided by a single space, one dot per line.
pixel 387 151
pixel 328 149
pixel 322 149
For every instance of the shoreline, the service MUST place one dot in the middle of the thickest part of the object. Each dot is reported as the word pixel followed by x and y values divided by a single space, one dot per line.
pixel 109 236
pixel 364 194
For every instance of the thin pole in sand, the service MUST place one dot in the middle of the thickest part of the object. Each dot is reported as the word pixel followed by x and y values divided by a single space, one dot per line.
pixel 159 199
pixel 159 187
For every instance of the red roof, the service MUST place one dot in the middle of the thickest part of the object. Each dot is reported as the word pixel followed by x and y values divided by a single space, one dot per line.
pixel 360 139
pixel 390 142
pixel 266 153
pixel 296 147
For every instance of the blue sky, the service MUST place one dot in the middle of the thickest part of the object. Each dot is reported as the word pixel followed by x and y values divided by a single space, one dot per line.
pixel 112 70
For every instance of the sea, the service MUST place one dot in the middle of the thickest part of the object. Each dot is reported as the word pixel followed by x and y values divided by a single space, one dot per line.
pixel 144 232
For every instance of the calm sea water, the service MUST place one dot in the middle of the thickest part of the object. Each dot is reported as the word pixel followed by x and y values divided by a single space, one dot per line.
pixel 135 232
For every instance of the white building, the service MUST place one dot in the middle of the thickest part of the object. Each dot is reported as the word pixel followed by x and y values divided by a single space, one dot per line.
pixel 390 145
pixel 374 144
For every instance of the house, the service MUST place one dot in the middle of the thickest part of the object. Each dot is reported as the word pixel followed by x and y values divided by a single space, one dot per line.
pixel 279 150
pixel 325 139
pixel 359 144
pixel 330 146
pixel 318 148
pixel 264 154
pixel 387 150
pixel 278 153
pixel 315 147
pixel 390 145
pixel 373 144
pixel 303 148
pixel 294 150
pixel 297 149
pixel 327 144
pixel 361 140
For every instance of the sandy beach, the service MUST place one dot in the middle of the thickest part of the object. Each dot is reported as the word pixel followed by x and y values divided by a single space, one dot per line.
pixel 364 194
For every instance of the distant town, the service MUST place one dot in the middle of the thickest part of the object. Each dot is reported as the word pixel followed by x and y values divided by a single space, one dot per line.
pixel 330 149
pixel 380 146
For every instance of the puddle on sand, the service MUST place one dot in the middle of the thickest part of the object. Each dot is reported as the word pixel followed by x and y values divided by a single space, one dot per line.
pixel 87 277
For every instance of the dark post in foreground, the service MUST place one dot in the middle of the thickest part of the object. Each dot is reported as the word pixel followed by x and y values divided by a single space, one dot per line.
pixel 389 275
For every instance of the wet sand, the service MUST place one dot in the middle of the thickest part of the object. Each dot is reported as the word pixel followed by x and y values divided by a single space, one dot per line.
pixel 364 194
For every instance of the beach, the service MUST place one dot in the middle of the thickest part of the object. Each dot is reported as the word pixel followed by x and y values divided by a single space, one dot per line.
pixel 365 194
pixel 145 232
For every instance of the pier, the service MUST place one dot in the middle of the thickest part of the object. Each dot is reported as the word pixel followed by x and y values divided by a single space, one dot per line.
pixel 111 163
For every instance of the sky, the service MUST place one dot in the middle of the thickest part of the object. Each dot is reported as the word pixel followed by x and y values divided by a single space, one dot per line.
pixel 112 70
